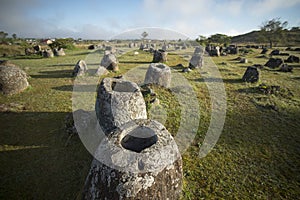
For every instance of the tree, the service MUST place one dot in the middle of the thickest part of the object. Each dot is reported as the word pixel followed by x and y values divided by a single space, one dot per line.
pixel 3 35
pixel 144 35
pixel 272 31
pixel 66 43
pixel 295 28
pixel 219 39
pixel 14 36
pixel 202 40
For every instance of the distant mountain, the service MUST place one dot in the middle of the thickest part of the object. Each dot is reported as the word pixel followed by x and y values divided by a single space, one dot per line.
pixel 293 37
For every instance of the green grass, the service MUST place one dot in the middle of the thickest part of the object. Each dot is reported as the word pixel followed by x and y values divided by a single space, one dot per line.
pixel 11 50
pixel 256 157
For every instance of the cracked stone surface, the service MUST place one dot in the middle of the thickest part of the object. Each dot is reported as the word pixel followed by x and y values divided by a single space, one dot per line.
pixel 13 80
pixel 118 101
pixel 197 58
pixel 109 61
pixel 159 56
pixel 80 68
pixel 119 173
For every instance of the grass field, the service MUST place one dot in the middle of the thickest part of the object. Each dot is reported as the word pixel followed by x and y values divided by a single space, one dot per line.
pixel 256 157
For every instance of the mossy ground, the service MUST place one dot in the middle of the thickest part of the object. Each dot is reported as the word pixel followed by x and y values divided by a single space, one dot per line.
pixel 256 157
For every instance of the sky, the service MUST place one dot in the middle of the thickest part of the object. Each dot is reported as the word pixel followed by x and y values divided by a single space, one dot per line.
pixel 107 19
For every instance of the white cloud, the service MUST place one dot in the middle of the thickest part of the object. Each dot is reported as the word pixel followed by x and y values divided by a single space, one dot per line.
pixel 191 17
pixel 268 6
pixel 181 9
pixel 232 7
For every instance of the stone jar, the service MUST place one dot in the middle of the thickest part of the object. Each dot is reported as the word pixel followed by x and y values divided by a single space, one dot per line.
pixel 159 56
pixel 118 101
pixel 159 74
pixel 139 161
pixel 13 80
pixel 48 53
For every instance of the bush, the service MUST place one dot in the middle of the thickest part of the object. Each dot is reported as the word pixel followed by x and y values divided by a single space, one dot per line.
pixel 66 43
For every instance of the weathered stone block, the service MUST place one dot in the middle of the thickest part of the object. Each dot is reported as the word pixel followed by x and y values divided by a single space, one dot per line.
pixel 48 53
pixel 118 101
pixel 274 62
pixel 159 56
pixel 251 75
pixel 80 68
pixel 109 61
pixel 196 61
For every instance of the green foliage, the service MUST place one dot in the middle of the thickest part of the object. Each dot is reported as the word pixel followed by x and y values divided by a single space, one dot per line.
pixel 14 36
pixel 11 50
pixel 291 38
pixel 202 40
pixel 272 31
pixel 296 28
pixel 219 39
pixel 3 35
pixel 66 43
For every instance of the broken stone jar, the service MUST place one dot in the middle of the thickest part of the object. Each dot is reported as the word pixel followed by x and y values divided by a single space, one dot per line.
pixel 140 160
pixel 118 101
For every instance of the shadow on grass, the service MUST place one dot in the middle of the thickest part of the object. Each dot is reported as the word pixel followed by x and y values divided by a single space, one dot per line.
pixel 98 51
pixel 135 62
pixel 296 78
pixel 266 137
pixel 19 57
pixel 72 64
pixel 35 161
pixel 79 88
pixel 250 90
pixel 224 70
pixel 62 65
pixel 178 67
pixel 54 74
pixel 295 65
pixel 219 80
pixel 81 54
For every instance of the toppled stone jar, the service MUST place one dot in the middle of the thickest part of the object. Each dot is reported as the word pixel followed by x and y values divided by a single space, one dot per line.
pixel 140 160
pixel 118 101
pixel 159 74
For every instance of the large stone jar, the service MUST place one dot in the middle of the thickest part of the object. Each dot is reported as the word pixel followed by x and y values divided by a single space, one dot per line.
pixel 140 160
pixel 159 74
pixel 118 101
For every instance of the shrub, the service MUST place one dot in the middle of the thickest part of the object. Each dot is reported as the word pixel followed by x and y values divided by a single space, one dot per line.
pixel 66 43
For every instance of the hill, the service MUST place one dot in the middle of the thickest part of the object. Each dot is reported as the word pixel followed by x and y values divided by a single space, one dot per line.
pixel 292 39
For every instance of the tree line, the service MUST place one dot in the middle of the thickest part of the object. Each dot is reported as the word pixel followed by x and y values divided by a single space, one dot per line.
pixel 271 32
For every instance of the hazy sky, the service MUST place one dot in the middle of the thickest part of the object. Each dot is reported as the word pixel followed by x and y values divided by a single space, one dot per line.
pixel 103 19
